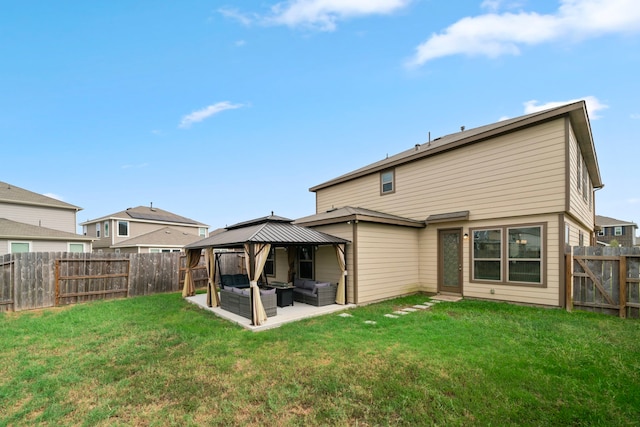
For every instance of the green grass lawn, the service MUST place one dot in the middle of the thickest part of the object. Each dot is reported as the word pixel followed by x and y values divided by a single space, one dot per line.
pixel 159 360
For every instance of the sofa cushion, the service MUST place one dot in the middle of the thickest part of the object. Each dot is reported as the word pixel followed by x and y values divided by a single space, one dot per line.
pixel 302 291
pixel 298 283
pixel 309 284
pixel 245 292
pixel 267 291
pixel 237 290
pixel 321 285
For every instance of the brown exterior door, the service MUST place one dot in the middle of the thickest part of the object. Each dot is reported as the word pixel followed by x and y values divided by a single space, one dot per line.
pixel 450 261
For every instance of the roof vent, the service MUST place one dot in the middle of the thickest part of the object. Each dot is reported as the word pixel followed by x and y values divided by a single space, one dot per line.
pixel 151 207
pixel 461 128
pixel 417 147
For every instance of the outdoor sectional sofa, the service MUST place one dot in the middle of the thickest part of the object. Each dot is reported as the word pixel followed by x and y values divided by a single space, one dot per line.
pixel 237 301
pixel 234 280
pixel 314 293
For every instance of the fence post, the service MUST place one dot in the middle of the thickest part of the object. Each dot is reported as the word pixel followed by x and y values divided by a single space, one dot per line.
pixel 568 281
pixel 623 286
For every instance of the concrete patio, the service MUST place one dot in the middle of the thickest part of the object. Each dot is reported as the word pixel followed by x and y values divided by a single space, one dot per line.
pixel 284 315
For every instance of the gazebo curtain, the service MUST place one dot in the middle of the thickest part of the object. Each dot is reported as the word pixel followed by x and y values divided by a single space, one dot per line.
pixel 342 263
pixel 193 258
pixel 212 292
pixel 260 252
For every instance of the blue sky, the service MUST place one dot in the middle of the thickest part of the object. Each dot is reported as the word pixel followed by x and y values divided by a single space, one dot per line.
pixel 224 111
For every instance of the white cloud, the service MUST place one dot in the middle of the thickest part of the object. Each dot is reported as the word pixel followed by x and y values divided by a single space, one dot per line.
pixel 635 116
pixel 200 115
pixel 236 15
pixel 494 34
pixel 240 43
pixel 138 166
pixel 54 196
pixel 593 106
pixel 323 14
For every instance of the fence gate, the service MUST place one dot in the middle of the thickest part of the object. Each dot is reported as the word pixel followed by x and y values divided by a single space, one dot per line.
pixel 6 284
pixel 85 279
pixel 605 279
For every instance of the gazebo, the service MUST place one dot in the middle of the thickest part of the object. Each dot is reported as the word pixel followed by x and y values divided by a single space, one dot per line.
pixel 256 238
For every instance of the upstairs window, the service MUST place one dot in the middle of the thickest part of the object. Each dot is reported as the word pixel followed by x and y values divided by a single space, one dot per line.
pixel 98 230
pixel 123 228
pixel 106 229
pixel 387 182
pixel 617 231
pixel 202 232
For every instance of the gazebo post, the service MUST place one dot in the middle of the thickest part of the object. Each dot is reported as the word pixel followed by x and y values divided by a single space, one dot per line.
pixel 252 272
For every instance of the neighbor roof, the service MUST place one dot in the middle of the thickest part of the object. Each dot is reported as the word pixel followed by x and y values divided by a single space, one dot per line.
pixel 605 221
pixel 11 194
pixel 576 112
pixel 275 232
pixel 166 236
pixel 17 230
pixel 349 213
pixel 148 214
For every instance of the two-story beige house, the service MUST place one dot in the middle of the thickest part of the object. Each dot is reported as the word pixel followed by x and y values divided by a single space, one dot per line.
pixel 33 222
pixel 143 229
pixel 486 212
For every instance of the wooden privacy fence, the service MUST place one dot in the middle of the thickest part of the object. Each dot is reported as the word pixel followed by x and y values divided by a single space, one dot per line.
pixel 46 279
pixel 604 279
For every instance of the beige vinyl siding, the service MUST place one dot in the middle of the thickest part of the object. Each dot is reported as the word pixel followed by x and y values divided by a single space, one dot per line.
pixel 388 261
pixel 574 233
pixel 56 219
pixel 549 295
pixel 578 207
pixel 344 231
pixel 517 174
pixel 281 265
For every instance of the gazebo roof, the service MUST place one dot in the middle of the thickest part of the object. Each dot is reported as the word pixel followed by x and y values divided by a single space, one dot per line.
pixel 275 230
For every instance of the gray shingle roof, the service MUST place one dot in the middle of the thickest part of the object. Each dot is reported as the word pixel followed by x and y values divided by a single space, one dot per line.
pixel 605 221
pixel 576 112
pixel 349 213
pixel 148 213
pixel 11 194
pixel 18 230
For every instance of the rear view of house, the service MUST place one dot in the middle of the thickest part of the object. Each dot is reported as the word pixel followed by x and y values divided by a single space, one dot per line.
pixel 33 222
pixel 486 212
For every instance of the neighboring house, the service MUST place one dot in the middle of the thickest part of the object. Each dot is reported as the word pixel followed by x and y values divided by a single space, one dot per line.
pixel 144 229
pixel 624 232
pixel 32 222
pixel 486 212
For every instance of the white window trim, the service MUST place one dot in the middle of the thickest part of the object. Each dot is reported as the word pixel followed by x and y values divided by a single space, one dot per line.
pixel 10 242
pixel 118 226
pixel 106 229
pixel 74 243
pixel 616 229
pixel 97 229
